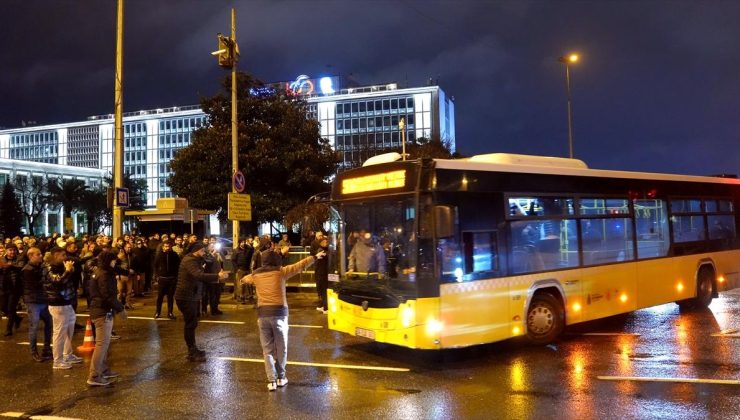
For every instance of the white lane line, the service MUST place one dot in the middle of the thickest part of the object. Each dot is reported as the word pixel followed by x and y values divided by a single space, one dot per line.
pixel 16 414
pixel 327 365
pixel 672 380
pixel 222 322
pixel 613 334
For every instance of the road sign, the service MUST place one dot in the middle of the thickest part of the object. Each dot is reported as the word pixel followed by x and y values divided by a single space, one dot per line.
pixel 122 197
pixel 240 207
pixel 239 181
pixel 190 215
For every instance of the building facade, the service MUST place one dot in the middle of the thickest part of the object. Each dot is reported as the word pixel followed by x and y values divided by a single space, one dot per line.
pixel 52 220
pixel 354 120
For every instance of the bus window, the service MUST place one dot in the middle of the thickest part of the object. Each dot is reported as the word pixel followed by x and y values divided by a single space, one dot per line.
pixel 480 252
pixel 688 228
pixel 606 240
pixel 651 219
pixel 540 206
pixel 721 227
pixel 541 245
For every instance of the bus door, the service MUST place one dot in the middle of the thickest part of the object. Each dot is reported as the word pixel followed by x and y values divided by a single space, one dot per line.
pixel 609 273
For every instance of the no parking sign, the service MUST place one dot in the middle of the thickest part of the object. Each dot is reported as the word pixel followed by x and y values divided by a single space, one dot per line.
pixel 239 181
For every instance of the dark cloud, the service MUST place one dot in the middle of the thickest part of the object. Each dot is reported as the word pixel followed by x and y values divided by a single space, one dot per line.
pixel 657 89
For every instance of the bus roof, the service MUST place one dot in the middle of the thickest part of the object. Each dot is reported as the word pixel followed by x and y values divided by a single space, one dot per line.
pixel 506 162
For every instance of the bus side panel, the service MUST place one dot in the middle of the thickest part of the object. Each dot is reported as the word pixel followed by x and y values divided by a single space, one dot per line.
pixel 609 290
pixel 657 282
pixel 728 267
pixel 475 312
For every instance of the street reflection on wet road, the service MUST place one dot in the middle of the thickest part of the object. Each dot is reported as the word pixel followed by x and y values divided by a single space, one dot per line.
pixel 624 366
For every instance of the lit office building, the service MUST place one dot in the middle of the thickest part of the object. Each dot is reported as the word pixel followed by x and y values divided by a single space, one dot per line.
pixel 354 120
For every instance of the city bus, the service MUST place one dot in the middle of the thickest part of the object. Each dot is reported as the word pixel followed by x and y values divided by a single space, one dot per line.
pixel 482 249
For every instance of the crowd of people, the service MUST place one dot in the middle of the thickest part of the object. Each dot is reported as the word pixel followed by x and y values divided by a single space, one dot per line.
pixel 48 276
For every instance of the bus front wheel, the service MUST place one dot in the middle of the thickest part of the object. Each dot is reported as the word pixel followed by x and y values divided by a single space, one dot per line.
pixel 545 319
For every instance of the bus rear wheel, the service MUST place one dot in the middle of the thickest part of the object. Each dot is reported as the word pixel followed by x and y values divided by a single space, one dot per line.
pixel 704 288
pixel 545 319
pixel 704 291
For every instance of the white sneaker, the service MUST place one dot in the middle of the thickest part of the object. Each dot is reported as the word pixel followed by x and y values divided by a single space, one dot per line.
pixel 271 386
pixel 73 359
pixel 282 382
pixel 62 365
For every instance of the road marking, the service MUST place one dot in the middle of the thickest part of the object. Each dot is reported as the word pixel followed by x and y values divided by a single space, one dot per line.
pixel 674 380
pixel 223 322
pixel 613 334
pixel 327 365
pixel 305 326
pixel 15 414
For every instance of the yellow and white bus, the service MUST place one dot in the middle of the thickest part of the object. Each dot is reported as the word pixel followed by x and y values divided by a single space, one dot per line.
pixel 497 246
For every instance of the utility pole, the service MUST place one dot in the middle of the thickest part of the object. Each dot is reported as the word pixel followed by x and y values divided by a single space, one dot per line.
pixel 234 125
pixel 118 137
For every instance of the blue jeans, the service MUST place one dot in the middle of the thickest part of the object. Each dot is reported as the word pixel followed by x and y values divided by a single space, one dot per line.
pixel 274 340
pixel 36 312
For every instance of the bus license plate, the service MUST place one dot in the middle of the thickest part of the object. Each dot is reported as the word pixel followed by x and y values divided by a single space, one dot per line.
pixel 361 332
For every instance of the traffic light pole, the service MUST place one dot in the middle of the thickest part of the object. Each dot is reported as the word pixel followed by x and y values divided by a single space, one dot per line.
pixel 118 137
pixel 234 125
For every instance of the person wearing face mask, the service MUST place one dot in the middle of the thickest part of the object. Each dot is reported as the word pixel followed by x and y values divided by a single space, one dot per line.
pixel 103 306
pixel 366 256
pixel 188 294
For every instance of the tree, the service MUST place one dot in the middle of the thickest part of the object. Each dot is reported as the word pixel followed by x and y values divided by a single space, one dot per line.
pixel 33 196
pixel 67 193
pixel 137 189
pixel 11 214
pixel 95 205
pixel 280 151
pixel 430 148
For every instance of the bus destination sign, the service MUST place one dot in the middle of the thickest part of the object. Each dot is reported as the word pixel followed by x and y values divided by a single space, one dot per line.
pixel 375 182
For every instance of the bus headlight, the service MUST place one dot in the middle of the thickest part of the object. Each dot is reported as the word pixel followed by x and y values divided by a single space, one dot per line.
pixel 434 327
pixel 407 315
pixel 332 303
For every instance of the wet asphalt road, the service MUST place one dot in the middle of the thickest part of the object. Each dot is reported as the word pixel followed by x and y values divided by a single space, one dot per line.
pixel 572 379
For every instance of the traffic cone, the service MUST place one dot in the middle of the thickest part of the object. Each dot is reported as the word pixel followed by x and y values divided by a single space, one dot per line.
pixel 88 344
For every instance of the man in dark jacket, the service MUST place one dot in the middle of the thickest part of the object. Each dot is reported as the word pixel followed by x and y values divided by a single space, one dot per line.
pixel 103 306
pixel 188 293
pixel 166 264
pixel 242 260
pixel 59 294
pixel 12 287
pixel 36 303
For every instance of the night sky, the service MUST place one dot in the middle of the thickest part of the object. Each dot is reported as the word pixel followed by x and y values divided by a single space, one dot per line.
pixel 657 89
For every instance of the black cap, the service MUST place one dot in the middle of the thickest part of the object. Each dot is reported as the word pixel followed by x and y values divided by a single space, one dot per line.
pixel 196 247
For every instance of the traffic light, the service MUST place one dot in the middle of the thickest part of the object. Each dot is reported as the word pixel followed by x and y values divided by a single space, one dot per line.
pixel 227 52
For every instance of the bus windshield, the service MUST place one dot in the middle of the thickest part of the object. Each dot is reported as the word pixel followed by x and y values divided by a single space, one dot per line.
pixel 379 243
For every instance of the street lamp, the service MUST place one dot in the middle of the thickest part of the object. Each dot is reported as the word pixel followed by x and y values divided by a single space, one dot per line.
pixel 568 60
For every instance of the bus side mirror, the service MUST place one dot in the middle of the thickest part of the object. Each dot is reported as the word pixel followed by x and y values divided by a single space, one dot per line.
pixel 444 221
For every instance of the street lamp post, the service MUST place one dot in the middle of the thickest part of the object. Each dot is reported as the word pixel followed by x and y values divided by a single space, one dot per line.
pixel 567 60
